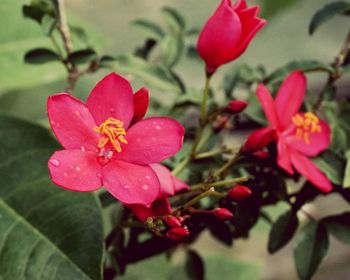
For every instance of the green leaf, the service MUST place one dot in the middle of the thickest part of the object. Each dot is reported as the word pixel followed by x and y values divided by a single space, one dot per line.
pixel 311 247
pixel 174 19
pixel 154 75
pixel 282 231
pixel 332 165
pixel 339 226
pixel 302 65
pixel 173 47
pixel 48 24
pixel 328 12
pixel 40 56
pixel 45 231
pixel 149 28
pixel 346 180
pixel 194 265
pixel 82 56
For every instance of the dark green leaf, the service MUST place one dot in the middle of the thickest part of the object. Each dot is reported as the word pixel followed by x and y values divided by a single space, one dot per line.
pixel 332 165
pixel 48 24
pixel 194 265
pixel 32 12
pixel 106 61
pixel 82 56
pixel 339 226
pixel 346 180
pixel 328 12
pixel 174 19
pixel 173 46
pixel 310 249
pixel 154 75
pixel 46 232
pixel 40 56
pixel 151 29
pixel 302 65
pixel 282 231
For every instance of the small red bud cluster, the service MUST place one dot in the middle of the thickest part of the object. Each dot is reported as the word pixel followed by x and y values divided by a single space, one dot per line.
pixel 239 193
pixel 222 213
pixel 177 231
pixel 236 106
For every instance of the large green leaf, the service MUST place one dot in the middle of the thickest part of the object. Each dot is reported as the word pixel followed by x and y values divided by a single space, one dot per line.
pixel 328 12
pixel 45 232
pixel 310 249
pixel 174 19
pixel 339 226
pixel 332 165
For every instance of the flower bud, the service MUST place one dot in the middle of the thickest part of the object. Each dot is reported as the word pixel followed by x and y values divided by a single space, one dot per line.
pixel 178 233
pixel 222 213
pixel 259 139
pixel 239 193
pixel 236 106
pixel 227 33
pixel 172 221
pixel 261 154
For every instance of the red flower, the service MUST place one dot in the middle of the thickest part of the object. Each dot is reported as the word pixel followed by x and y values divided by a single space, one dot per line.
pixel 102 148
pixel 169 185
pixel 299 135
pixel 239 193
pixel 227 33
pixel 222 213
pixel 236 106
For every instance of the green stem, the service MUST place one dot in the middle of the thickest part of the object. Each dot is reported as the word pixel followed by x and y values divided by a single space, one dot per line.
pixel 215 152
pixel 197 198
pixel 222 183
pixel 177 170
pixel 227 165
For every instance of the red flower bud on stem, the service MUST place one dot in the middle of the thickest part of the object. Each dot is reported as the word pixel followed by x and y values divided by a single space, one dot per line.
pixel 259 139
pixel 239 193
pixel 172 221
pixel 178 233
pixel 236 106
pixel 222 213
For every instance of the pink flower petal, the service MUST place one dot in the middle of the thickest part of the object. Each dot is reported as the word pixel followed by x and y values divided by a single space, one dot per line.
pixel 268 105
pixel 179 185
pixel 71 122
pixel 290 97
pixel 319 141
pixel 165 180
pixel 112 97
pixel 75 170
pixel 240 5
pixel 160 207
pixel 283 158
pixel 310 171
pixel 141 100
pixel 152 140
pixel 131 183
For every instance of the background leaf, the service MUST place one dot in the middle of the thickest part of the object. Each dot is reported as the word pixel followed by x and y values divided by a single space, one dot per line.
pixel 328 12
pixel 311 247
pixel 45 231
pixel 149 28
pixel 339 226
pixel 40 56
pixel 174 19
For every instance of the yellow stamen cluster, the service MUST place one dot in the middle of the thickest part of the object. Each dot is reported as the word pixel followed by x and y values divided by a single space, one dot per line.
pixel 307 123
pixel 112 131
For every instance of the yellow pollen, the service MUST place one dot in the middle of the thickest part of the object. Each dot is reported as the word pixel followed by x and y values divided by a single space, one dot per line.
pixel 112 131
pixel 306 124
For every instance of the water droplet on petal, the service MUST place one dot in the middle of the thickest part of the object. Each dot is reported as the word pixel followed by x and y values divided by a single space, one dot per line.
pixel 145 187
pixel 65 174
pixel 138 140
pixel 82 148
pixel 99 175
pixel 77 113
pixel 148 177
pixel 126 186
pixel 52 122
pixel 103 160
pixel 77 168
pixel 158 127
pixel 54 162
pixel 112 109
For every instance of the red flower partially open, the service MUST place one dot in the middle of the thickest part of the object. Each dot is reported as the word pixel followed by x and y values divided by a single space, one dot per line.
pixel 169 185
pixel 227 33
pixel 106 142
pixel 299 135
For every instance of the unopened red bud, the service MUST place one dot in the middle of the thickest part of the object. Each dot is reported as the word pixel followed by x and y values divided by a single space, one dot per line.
pixel 236 106
pixel 261 154
pixel 222 213
pixel 172 221
pixel 239 193
pixel 178 233
pixel 259 139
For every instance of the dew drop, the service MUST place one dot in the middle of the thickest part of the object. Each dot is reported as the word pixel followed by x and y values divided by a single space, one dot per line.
pixel 148 177
pixel 54 162
pixel 138 140
pixel 99 175
pixel 112 109
pixel 77 168
pixel 65 174
pixel 103 160
pixel 158 127
pixel 82 148
pixel 126 186
pixel 145 187
pixel 52 122
pixel 77 113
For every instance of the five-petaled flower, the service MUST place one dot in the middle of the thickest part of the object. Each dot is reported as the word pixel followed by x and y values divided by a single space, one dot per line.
pixel 227 33
pixel 108 144
pixel 299 135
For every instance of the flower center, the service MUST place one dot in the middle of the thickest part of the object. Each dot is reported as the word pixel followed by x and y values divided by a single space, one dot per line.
pixel 112 133
pixel 306 124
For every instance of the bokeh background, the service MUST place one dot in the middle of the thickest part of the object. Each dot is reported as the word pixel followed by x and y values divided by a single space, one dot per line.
pixel 24 89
